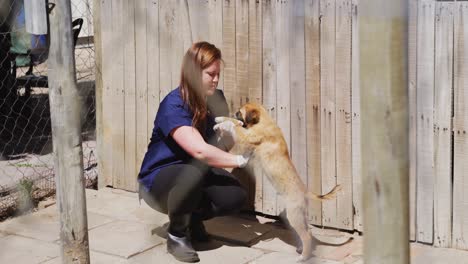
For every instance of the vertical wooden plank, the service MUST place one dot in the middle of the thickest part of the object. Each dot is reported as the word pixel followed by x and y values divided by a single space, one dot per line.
pixel 241 90
pixel 152 51
pixel 141 67
pixel 297 88
pixel 460 123
pixel 195 9
pixel 106 68
pixel 283 14
pixel 199 12
pixel 185 10
pixel 269 87
pixel 312 73
pixel 168 52
pixel 129 182
pixel 425 123
pixel 178 41
pixel 356 120
pixel 166 27
pixel 66 136
pixel 229 51
pixel 255 84
pixel 343 114
pixel 185 28
pixel 383 29
pixel 215 18
pixel 118 100
pixel 412 49
pixel 242 53
pixel 97 32
pixel 216 30
pixel 255 52
pixel 442 125
pixel 327 97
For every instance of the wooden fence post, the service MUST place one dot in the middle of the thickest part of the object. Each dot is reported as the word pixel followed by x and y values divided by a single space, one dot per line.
pixel 97 39
pixel 66 136
pixel 383 43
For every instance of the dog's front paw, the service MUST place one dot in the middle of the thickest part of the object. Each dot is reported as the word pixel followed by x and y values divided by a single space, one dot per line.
pixel 221 119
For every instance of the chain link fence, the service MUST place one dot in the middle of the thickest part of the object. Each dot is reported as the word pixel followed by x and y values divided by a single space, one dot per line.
pixel 26 156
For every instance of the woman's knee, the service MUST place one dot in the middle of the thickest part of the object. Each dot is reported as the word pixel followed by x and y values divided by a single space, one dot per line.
pixel 186 194
pixel 152 201
pixel 175 186
pixel 189 172
pixel 192 182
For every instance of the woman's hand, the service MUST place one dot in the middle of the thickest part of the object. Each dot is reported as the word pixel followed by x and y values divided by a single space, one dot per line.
pixel 225 129
pixel 227 133
pixel 190 139
pixel 243 159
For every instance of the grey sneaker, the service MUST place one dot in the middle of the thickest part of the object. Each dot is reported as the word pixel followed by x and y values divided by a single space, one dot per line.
pixel 181 248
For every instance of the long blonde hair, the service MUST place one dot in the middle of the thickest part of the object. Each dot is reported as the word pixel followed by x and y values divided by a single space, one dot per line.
pixel 197 58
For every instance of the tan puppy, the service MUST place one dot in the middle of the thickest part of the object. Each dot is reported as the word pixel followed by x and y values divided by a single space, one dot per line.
pixel 261 134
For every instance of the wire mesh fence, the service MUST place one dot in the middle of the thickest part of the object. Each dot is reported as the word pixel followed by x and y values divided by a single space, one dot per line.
pixel 26 156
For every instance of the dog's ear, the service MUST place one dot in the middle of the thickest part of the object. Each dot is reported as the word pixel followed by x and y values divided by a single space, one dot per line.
pixel 252 117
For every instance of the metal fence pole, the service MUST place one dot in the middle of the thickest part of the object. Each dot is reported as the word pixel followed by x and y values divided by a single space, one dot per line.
pixel 383 42
pixel 66 136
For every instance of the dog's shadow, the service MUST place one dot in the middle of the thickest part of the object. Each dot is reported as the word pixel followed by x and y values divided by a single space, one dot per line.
pixel 245 230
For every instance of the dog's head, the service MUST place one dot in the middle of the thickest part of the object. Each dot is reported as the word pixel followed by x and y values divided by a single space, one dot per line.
pixel 249 114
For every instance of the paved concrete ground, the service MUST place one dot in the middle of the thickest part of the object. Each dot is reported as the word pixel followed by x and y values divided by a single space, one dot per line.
pixel 122 231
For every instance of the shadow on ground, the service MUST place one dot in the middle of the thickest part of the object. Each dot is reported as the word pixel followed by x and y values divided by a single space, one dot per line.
pixel 245 230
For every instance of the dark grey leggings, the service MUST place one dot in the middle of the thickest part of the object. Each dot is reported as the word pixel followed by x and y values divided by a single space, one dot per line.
pixel 182 190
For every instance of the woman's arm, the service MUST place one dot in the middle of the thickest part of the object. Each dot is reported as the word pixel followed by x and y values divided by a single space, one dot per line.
pixel 190 139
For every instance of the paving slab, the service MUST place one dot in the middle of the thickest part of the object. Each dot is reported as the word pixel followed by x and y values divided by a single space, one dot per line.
pixel 236 230
pixel 282 257
pixel 217 252
pixel 123 238
pixel 422 254
pixel 123 207
pixel 330 236
pixel 321 236
pixel 351 249
pixel 277 240
pixel 45 224
pixel 17 249
pixel 95 258
pixel 229 254
pixel 120 192
pixel 285 241
pixel 354 259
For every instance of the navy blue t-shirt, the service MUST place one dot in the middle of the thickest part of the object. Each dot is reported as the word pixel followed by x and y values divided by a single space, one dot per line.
pixel 172 113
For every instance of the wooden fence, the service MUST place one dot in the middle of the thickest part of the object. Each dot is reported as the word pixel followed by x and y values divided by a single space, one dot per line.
pixel 440 79
pixel 299 59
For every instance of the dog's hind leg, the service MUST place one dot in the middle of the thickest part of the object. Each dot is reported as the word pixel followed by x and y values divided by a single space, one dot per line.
pixel 297 219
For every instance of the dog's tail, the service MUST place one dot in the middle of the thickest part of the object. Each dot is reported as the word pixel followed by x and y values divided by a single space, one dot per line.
pixel 328 196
